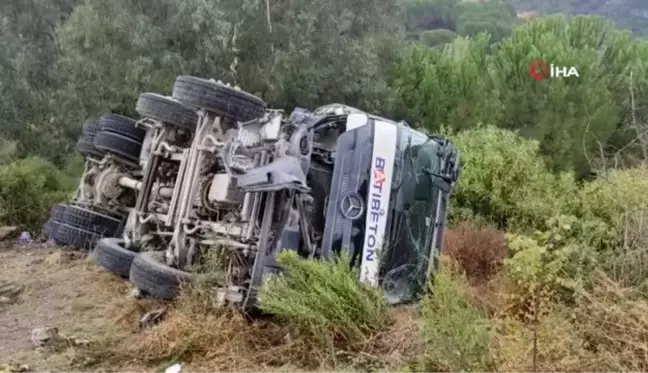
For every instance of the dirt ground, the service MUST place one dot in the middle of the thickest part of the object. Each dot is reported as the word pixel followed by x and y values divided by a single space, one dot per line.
pixel 62 290
pixel 97 320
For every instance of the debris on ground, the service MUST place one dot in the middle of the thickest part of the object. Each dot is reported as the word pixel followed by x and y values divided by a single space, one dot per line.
pixel 9 292
pixel 13 368
pixel 7 232
pixel 25 238
pixel 5 300
pixel 136 293
pixel 60 257
pixel 175 368
pixel 151 318
pixel 42 336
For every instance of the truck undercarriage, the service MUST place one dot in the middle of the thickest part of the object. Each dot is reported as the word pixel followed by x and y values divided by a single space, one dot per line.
pixel 211 170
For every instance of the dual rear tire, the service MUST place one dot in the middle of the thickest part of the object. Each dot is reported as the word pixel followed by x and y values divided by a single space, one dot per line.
pixel 80 226
pixel 119 136
pixel 145 270
pixel 112 134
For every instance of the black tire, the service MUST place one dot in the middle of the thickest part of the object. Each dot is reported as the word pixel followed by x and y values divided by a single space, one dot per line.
pixel 85 146
pixel 90 128
pixel 93 221
pixel 67 235
pixel 47 228
pixel 111 254
pixel 167 110
pixel 123 126
pixel 57 214
pixel 218 98
pixel 149 273
pixel 118 145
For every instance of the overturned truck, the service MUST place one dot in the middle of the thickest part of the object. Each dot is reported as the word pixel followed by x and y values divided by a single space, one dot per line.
pixel 212 171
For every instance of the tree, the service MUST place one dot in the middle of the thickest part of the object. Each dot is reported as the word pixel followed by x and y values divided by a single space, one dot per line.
pixel 434 38
pixel 430 14
pixel 494 17
pixel 471 81
pixel 28 75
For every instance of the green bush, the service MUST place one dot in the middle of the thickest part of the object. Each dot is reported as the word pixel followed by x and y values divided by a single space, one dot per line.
pixel 433 38
pixel 28 189
pixel 617 197
pixel 456 333
pixel 558 262
pixel 71 171
pixel 505 180
pixel 324 299
pixel 618 200
pixel 8 150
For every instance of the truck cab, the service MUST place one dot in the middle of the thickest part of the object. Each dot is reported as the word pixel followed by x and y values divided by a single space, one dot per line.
pixel 388 200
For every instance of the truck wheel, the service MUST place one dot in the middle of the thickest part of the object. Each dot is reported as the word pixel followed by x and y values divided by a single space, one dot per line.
pixel 149 273
pixel 118 145
pixel 56 217
pixel 58 212
pixel 67 235
pixel 93 221
pixel 123 126
pixel 90 128
pixel 167 110
pixel 218 98
pixel 111 254
pixel 85 146
pixel 47 228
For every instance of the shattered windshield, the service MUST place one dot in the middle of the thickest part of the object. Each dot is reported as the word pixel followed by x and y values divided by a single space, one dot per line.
pixel 413 208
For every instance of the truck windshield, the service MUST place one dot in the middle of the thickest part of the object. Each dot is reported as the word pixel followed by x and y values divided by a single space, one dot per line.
pixel 415 209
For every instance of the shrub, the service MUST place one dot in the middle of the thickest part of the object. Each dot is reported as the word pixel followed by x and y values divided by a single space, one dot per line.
pixel 433 38
pixel 619 202
pixel 506 181
pixel 71 171
pixel 8 150
pixel 617 198
pixel 28 188
pixel 479 251
pixel 456 333
pixel 553 264
pixel 324 299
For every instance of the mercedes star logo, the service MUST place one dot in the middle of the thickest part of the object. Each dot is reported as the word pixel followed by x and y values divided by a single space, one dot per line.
pixel 352 206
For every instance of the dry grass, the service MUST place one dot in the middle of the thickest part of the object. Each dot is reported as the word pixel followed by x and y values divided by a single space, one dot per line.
pixel 559 348
pixel 210 340
pixel 494 296
pixel 480 251
pixel 606 329
pixel 614 322
pixel 203 338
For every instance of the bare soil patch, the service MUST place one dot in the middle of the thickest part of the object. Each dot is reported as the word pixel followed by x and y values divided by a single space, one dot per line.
pixel 62 290
pixel 98 324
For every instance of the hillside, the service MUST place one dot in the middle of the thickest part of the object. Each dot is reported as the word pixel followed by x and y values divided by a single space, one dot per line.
pixel 626 14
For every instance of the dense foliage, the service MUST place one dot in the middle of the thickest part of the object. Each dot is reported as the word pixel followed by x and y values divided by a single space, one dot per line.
pixel 30 187
pixel 68 60
pixel 506 182
pixel 627 14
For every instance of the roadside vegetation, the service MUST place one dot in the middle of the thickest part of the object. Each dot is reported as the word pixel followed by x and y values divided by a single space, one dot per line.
pixel 546 255
pixel 512 295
